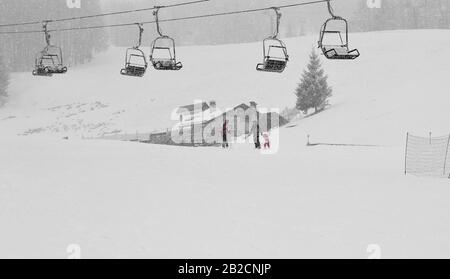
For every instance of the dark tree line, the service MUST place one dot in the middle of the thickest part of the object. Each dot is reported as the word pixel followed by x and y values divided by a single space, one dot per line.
pixel 19 50
pixel 402 14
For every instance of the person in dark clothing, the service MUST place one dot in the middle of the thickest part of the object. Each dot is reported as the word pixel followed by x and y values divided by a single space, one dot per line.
pixel 225 134
pixel 256 132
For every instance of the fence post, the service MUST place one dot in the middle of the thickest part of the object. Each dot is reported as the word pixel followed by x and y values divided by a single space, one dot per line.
pixel 446 155
pixel 406 153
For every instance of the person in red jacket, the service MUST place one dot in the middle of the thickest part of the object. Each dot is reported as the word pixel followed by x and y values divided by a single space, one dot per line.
pixel 266 140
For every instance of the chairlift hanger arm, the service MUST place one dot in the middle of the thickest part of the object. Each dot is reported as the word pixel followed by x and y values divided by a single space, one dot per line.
pixel 156 14
pixel 278 20
pixel 46 32
pixel 141 32
pixel 330 10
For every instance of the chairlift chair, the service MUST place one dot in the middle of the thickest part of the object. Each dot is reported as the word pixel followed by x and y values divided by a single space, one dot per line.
pixel 135 61
pixel 163 55
pixel 43 63
pixel 275 63
pixel 340 50
pixel 49 61
pixel 163 44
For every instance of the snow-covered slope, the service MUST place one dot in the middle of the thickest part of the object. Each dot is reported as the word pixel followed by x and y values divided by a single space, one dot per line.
pixel 399 77
pixel 118 199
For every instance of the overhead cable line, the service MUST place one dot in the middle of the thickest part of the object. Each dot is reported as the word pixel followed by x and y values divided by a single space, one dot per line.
pixel 172 19
pixel 103 14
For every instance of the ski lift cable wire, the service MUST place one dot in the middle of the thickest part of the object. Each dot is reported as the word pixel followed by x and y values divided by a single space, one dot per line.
pixel 172 19
pixel 104 14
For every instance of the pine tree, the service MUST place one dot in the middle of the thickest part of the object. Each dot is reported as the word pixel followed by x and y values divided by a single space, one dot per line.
pixel 313 90
pixel 4 82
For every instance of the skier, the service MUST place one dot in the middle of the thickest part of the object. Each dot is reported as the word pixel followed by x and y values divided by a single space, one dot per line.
pixel 225 134
pixel 256 132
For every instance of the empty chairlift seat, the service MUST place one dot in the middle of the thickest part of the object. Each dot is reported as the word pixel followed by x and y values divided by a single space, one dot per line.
pixel 274 63
pixel 164 58
pixel 274 51
pixel 135 65
pixel 340 52
pixel 49 62
pixel 135 61
pixel 339 48
pixel 163 54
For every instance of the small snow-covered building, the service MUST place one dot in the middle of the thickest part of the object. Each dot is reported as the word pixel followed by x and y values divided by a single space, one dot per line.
pixel 189 112
pixel 203 126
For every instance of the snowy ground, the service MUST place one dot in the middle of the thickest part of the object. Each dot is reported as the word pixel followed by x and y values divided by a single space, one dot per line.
pixel 118 199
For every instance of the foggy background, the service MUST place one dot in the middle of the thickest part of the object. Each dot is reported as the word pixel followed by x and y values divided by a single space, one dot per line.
pixel 18 50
